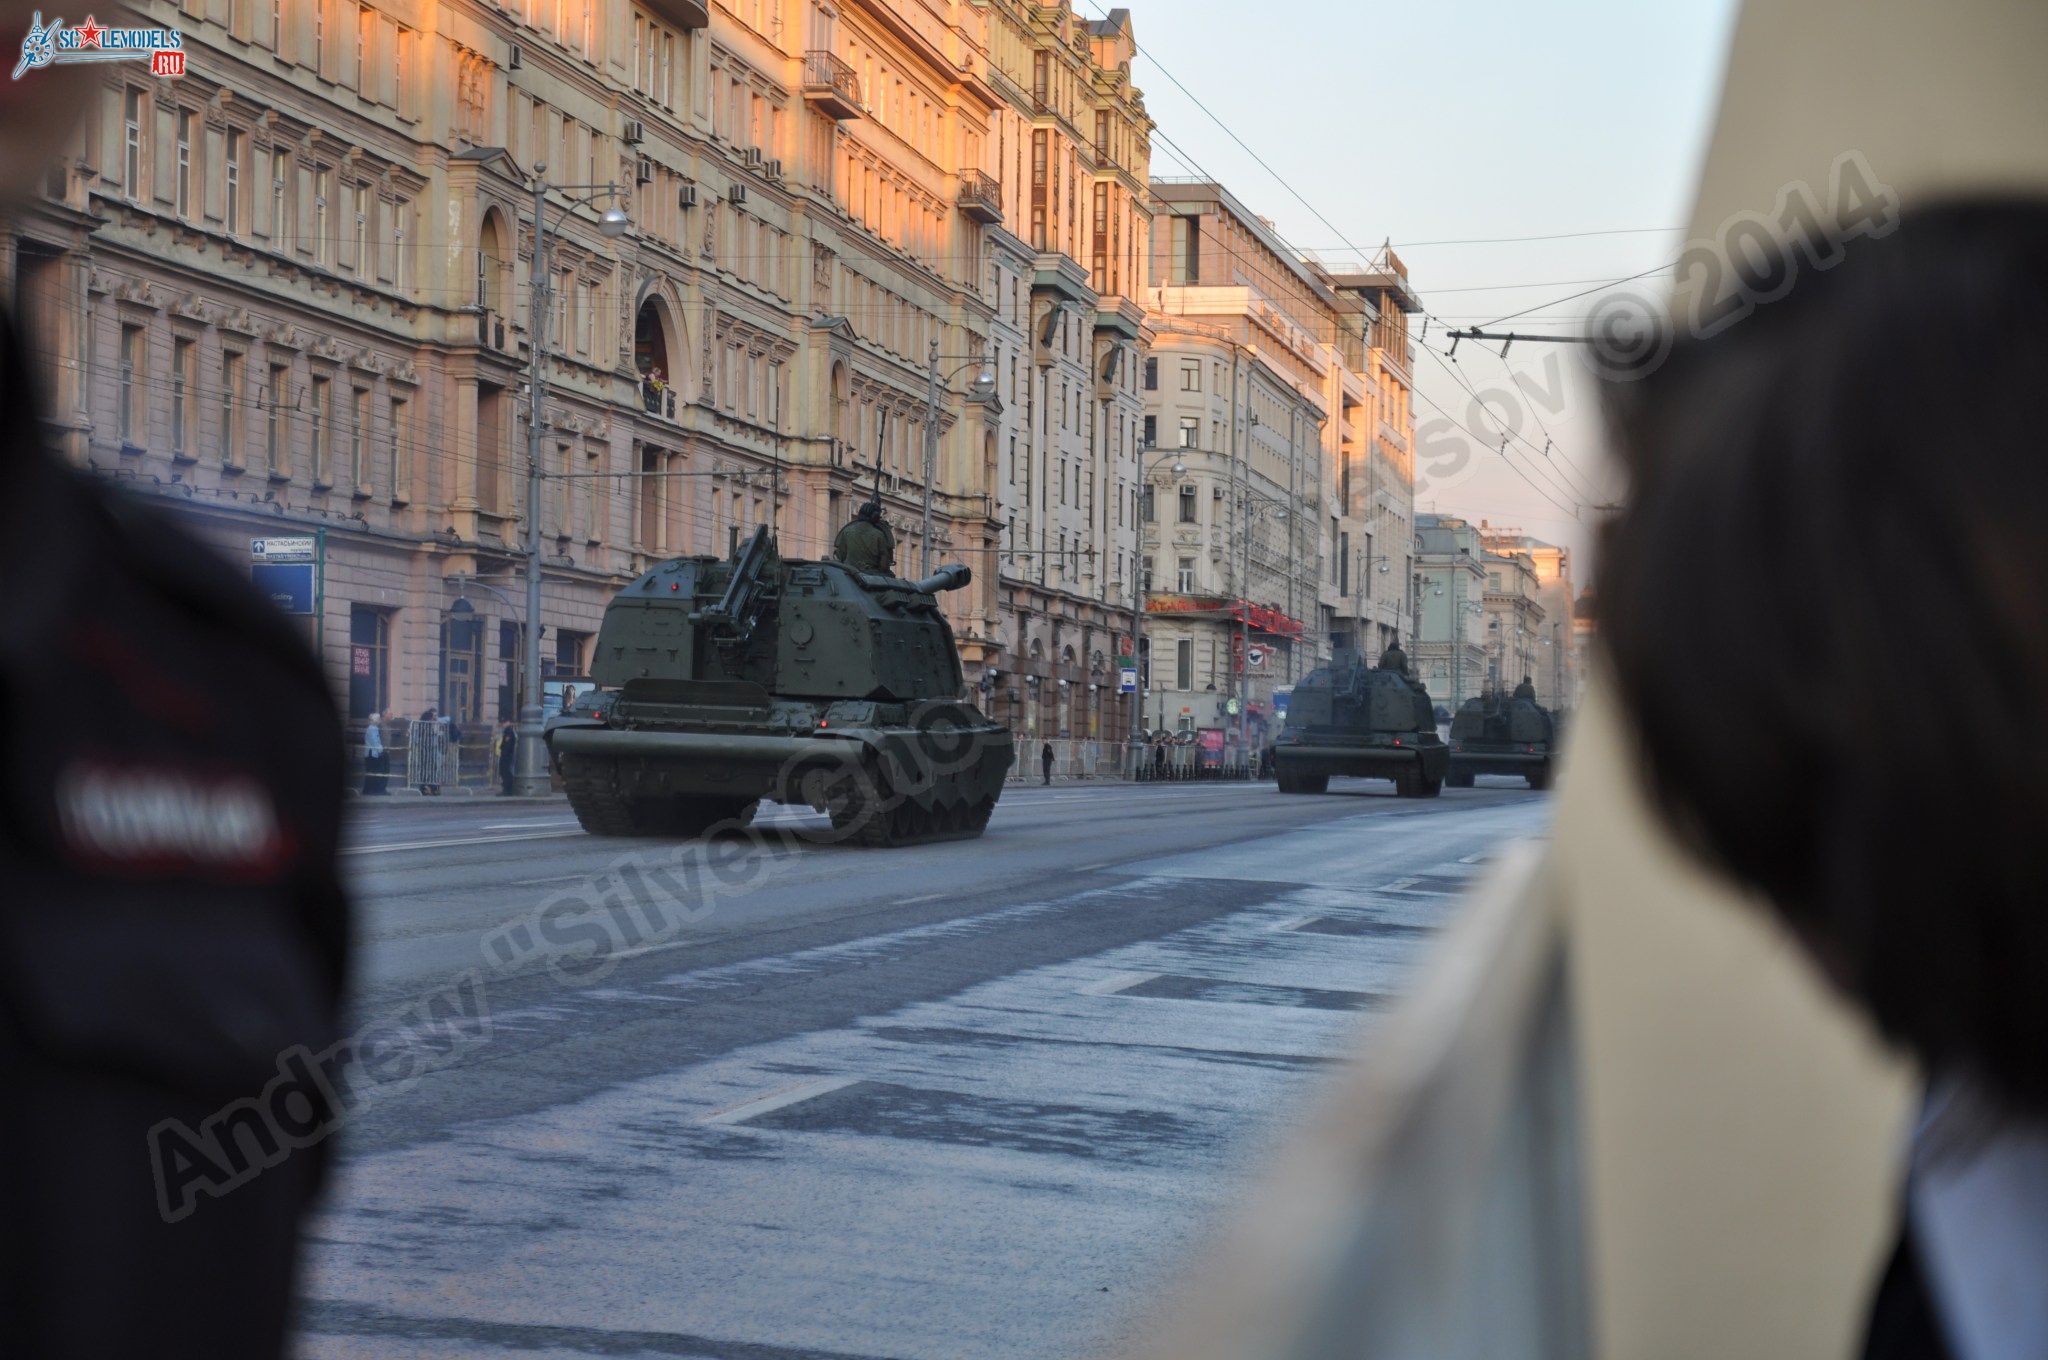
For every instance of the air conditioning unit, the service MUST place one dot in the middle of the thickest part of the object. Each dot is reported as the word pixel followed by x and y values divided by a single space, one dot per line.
pixel 516 58
pixel 635 133
pixel 736 195
pixel 686 195
pixel 772 168
pixel 643 169
pixel 753 157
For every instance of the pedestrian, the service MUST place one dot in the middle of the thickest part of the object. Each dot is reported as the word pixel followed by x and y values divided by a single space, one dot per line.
pixel 376 760
pixel 1045 759
pixel 172 923
pixel 508 755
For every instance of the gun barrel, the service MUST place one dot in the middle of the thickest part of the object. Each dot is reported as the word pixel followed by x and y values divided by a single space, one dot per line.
pixel 945 578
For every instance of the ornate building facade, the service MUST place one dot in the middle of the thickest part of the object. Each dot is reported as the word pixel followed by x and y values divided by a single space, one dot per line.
pixel 1278 496
pixel 293 292
pixel 1070 146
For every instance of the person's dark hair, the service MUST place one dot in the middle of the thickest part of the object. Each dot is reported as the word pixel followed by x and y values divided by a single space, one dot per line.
pixel 1826 605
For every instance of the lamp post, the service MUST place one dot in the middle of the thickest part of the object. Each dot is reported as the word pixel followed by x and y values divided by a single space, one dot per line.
pixel 530 764
pixel 983 387
pixel 1138 595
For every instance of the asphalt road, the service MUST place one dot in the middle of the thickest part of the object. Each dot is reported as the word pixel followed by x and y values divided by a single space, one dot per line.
pixel 769 1098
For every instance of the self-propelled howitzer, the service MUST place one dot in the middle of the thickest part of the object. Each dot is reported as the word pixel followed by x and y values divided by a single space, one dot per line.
pixel 726 681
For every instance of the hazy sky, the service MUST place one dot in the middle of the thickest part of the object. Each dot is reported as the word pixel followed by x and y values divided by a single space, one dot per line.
pixel 1442 120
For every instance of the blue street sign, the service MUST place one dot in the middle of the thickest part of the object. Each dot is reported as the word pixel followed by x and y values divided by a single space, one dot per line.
pixel 289 585
pixel 1130 680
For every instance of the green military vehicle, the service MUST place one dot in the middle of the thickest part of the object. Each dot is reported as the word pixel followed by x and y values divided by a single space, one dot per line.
pixel 724 682
pixel 1347 718
pixel 1498 733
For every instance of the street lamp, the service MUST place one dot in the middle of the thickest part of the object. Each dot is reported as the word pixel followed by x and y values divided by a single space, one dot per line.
pixel 530 765
pixel 979 390
pixel 1138 594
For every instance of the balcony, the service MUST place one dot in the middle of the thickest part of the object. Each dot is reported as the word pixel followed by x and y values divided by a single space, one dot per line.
pixel 682 13
pixel 831 86
pixel 981 197
pixel 657 399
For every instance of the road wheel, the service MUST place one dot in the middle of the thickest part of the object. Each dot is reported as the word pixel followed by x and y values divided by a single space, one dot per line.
pixel 1430 785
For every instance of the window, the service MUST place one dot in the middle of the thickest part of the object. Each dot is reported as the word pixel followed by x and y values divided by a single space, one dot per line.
pixel 401 213
pixel 320 36
pixel 323 239
pixel 134 363
pixel 401 79
pixel 1147 507
pixel 183 356
pixel 1145 581
pixel 369 668
pixel 1185 575
pixel 131 144
pixel 1151 375
pixel 275 426
pixel 1151 432
pixel 1191 377
pixel 1190 431
pixel 1184 664
pixel 1493 581
pixel 398 453
pixel 358 432
pixel 277 27
pixel 183 184
pixel 1184 264
pixel 280 180
pixel 360 254
pixel 364 18
pixel 233 160
pixel 316 443
pixel 1187 505
pixel 231 367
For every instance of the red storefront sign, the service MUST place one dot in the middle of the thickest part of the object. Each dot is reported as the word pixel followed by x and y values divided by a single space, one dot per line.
pixel 1260 618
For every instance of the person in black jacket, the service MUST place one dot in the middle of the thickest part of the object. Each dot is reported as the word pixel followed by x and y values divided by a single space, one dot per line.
pixel 171 779
pixel 508 756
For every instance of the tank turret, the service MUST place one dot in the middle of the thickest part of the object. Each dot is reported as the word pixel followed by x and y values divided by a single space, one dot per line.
pixel 1502 733
pixel 1347 718
pixel 726 681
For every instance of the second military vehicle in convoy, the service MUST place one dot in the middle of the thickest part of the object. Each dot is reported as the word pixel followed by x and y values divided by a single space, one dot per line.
pixel 827 683
pixel 1347 718
pixel 1499 733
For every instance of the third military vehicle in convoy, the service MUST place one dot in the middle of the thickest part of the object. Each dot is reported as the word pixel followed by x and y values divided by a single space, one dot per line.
pixel 1347 718
pixel 1499 733
pixel 723 682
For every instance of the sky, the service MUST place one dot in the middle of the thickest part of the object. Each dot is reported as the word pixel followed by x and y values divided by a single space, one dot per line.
pixel 1446 121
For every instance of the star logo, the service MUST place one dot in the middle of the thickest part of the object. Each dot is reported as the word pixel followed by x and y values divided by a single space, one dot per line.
pixel 89 33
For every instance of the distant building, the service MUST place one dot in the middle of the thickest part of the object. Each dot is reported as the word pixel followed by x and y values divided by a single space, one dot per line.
pixel 1449 648
pixel 1515 641
pixel 1276 509
pixel 1556 669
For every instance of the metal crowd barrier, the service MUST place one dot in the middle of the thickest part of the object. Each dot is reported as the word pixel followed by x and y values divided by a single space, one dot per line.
pixel 1140 761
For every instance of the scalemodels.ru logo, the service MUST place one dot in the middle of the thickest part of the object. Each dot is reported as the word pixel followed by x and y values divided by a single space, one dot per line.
pixel 162 48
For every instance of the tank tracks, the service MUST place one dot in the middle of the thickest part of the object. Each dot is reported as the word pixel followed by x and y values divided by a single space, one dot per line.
pixel 603 811
pixel 864 814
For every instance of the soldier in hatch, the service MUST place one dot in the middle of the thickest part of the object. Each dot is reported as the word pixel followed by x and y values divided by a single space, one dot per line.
pixel 866 544
pixel 1526 690
pixel 1394 659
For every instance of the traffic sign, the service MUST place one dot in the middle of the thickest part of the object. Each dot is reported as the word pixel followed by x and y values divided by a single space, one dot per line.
pixel 1129 683
pixel 296 549
pixel 288 585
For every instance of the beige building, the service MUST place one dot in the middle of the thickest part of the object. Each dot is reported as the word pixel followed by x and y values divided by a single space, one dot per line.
pixel 1556 657
pixel 1278 494
pixel 1070 146
pixel 1517 640
pixel 1449 649
pixel 290 290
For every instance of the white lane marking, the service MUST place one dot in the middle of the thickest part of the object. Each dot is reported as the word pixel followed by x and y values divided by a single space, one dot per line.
pixel 450 844
pixel 558 878
pixel 775 1100
pixel 527 825
pixel 1115 983
pixel 1293 922
pixel 913 901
